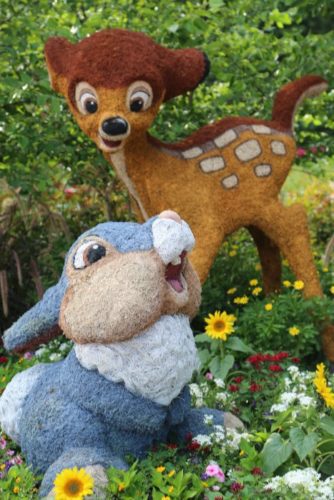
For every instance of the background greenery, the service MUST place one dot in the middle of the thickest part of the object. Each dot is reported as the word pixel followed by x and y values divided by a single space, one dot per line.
pixel 54 183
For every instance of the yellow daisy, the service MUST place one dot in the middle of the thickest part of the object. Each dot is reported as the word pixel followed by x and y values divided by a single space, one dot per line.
pixel 321 385
pixel 268 307
pixel 73 484
pixel 298 285
pixel 231 291
pixel 232 253
pixel 241 300
pixel 332 289
pixel 257 290
pixel 161 468
pixel 253 282
pixel 294 331
pixel 219 325
pixel 287 283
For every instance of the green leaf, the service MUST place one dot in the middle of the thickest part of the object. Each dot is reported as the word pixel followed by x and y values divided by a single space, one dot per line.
pixel 220 367
pixel 236 344
pixel 303 444
pixel 202 337
pixel 204 356
pixel 327 424
pixel 275 452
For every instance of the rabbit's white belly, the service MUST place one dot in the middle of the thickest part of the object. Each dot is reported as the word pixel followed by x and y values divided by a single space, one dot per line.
pixel 157 363
pixel 13 397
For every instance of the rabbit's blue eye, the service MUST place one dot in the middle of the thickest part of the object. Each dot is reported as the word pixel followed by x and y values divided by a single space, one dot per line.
pixel 95 253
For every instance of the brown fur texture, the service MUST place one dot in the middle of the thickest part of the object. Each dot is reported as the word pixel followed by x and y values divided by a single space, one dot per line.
pixel 225 176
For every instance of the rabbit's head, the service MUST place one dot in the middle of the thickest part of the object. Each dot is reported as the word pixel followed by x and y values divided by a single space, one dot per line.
pixel 118 279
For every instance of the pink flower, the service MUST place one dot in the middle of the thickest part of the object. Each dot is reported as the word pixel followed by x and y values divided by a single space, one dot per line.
pixel 69 191
pixel 28 355
pixel 314 149
pixel 213 470
pixel 300 152
pixel 209 376
pixel 3 443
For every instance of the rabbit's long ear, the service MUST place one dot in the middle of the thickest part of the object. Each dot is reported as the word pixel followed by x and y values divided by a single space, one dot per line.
pixel 39 324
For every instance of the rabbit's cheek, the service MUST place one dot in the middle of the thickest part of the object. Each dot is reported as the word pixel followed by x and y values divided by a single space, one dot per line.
pixel 115 302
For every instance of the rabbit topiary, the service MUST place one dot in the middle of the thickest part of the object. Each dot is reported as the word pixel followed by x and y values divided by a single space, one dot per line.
pixel 125 298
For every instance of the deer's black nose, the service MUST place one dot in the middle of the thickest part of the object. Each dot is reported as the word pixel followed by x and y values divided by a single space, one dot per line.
pixel 115 126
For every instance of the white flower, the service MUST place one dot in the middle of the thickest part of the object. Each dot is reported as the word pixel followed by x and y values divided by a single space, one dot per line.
pixel 303 483
pixel 196 394
pixel 55 356
pixel 40 352
pixel 202 439
pixel 219 382
pixel 221 396
pixel 208 419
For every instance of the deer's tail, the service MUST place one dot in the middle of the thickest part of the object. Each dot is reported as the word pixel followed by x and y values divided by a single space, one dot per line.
pixel 291 95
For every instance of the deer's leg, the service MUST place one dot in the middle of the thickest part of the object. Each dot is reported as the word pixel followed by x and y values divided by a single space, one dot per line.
pixel 287 227
pixel 205 250
pixel 270 259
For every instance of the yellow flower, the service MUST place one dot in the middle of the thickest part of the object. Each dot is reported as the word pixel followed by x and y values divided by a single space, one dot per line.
pixel 257 290
pixel 171 473
pixel 321 385
pixel 2 466
pixel 294 331
pixel 298 285
pixel 161 468
pixel 165 497
pixel 121 486
pixel 16 489
pixel 232 253
pixel 287 283
pixel 73 483
pixel 268 307
pixel 325 269
pixel 171 489
pixel 331 289
pixel 219 325
pixel 3 379
pixel 285 262
pixel 231 291
pixel 18 480
pixel 241 300
pixel 241 453
pixel 253 282
pixel 204 484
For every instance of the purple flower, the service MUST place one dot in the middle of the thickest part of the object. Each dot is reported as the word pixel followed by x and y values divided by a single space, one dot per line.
pixel 10 453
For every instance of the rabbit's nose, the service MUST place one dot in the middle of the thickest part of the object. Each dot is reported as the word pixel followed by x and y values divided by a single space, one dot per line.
pixel 170 214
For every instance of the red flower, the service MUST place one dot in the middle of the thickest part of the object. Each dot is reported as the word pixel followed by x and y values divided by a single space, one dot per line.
pixel 3 359
pixel 257 471
pixel 233 388
pixel 237 380
pixel 275 368
pixel 172 446
pixel 295 360
pixel 268 357
pixel 193 446
pixel 235 487
pixel 255 387
pixel 279 356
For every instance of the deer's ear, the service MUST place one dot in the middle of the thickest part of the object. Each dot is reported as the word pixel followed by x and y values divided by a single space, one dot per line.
pixel 183 69
pixel 58 58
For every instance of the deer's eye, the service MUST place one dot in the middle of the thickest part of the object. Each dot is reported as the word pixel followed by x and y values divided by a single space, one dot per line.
pixel 88 253
pixel 140 96
pixel 86 98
